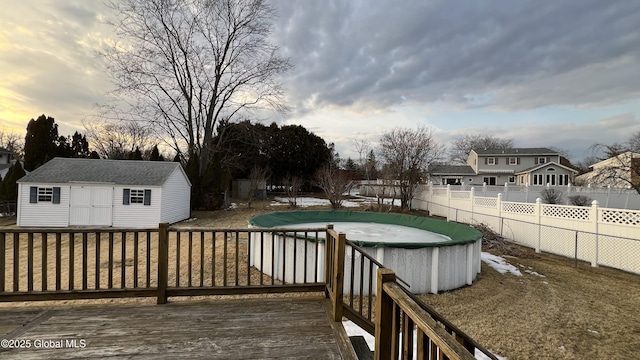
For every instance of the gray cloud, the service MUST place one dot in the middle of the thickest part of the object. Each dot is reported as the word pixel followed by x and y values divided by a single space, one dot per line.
pixel 512 55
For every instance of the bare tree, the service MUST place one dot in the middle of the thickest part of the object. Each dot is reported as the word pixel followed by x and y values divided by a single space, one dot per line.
pixel 257 181
pixel 362 148
pixel 335 183
pixel 12 142
pixel 292 185
pixel 182 65
pixel 407 153
pixel 461 147
pixel 388 190
pixel 117 139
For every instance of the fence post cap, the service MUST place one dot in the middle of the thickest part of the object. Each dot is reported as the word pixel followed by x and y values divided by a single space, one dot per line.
pixel 594 203
pixel 538 200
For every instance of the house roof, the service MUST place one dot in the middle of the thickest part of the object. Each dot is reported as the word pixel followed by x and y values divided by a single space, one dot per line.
pixel 620 158
pixel 121 172
pixel 451 170
pixel 551 163
pixel 5 151
pixel 516 151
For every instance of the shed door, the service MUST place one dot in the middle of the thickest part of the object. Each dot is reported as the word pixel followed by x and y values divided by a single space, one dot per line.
pixel 91 206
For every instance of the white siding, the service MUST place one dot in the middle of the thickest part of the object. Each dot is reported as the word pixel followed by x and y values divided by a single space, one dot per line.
pixel 43 214
pixel 136 215
pixel 176 198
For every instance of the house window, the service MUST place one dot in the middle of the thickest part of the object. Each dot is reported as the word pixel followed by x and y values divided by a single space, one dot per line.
pixel 542 160
pixel 44 194
pixel 489 180
pixel 537 179
pixel 512 161
pixel 491 161
pixel 136 196
pixel 512 179
pixel 563 179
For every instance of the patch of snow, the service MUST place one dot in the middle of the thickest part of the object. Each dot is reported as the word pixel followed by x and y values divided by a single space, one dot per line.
pixel 233 206
pixel 499 264
pixel 311 201
pixel 592 331
pixel 190 219
pixel 534 273
pixel 562 348
pixel 546 283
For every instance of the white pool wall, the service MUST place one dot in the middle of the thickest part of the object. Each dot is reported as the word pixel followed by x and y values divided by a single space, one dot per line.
pixel 429 269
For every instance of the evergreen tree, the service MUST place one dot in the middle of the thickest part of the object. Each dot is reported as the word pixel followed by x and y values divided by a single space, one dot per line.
pixel 79 147
pixel 94 155
pixel 8 186
pixel 136 154
pixel 41 142
pixel 155 154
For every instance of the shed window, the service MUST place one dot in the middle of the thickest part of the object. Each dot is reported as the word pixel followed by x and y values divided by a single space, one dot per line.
pixel 44 194
pixel 136 196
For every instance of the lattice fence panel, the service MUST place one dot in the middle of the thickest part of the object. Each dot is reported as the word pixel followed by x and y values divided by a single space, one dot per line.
pixel 627 217
pixel 485 201
pixel 518 208
pixel 439 192
pixel 460 194
pixel 567 212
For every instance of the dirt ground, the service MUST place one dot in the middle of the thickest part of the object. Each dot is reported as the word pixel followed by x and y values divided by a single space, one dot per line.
pixel 553 311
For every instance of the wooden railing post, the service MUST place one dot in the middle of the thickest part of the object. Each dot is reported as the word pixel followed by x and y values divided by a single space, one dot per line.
pixel 338 275
pixel 384 316
pixel 163 262
pixel 328 255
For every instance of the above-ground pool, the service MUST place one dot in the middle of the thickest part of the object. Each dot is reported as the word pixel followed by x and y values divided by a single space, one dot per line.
pixel 430 255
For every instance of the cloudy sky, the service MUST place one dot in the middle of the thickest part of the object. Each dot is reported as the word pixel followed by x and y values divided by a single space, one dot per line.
pixel 544 73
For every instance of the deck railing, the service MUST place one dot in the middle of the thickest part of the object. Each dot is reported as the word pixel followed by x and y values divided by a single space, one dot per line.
pixel 58 264
pixel 360 302
pixel 61 264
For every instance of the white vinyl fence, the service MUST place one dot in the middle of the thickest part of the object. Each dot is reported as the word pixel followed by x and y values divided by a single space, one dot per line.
pixel 598 235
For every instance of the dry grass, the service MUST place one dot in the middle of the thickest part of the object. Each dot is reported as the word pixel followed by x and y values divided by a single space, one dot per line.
pixel 571 313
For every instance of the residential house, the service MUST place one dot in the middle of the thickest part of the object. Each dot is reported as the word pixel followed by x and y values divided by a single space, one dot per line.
pixel 620 171
pixel 7 158
pixel 515 166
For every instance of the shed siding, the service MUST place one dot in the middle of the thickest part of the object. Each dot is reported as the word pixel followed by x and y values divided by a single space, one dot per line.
pixel 43 214
pixel 176 198
pixel 136 215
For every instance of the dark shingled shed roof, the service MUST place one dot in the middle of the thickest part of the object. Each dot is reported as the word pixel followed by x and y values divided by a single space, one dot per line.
pixel 121 172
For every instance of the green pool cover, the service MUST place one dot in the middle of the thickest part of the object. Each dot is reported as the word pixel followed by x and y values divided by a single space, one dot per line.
pixel 459 233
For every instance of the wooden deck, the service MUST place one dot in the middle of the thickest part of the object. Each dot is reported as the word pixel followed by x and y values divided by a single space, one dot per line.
pixel 267 328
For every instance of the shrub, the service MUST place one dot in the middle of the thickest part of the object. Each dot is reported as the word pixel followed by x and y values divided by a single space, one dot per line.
pixel 551 196
pixel 580 200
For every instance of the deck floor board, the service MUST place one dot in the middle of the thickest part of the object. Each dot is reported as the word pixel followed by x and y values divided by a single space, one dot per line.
pixel 270 328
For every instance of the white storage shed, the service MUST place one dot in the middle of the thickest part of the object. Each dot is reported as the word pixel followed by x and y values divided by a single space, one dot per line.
pixel 90 192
